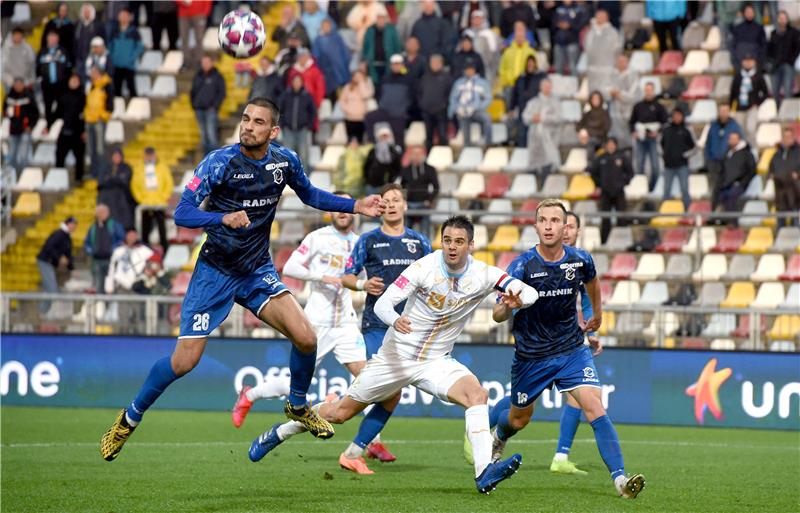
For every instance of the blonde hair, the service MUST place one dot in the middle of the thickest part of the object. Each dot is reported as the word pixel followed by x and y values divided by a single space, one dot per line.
pixel 552 202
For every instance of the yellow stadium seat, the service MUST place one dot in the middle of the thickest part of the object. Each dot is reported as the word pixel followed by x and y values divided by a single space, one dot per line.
pixel 487 257
pixel 759 240
pixel 497 109
pixel 740 295
pixel 505 237
pixel 28 204
pixel 652 45
pixel 581 187
pixel 609 321
pixel 668 207
pixel 766 158
pixel 436 243
pixel 786 327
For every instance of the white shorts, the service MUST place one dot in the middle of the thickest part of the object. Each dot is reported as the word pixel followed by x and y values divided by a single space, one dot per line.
pixel 347 344
pixel 385 375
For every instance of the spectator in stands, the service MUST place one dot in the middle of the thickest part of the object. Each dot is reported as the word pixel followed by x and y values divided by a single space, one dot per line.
pixel 19 60
pixel 568 21
pixel 380 43
pixel 125 47
pixel 516 11
pixel 415 65
pixel 290 25
pixel 64 27
pixel 127 264
pixel 53 71
pixel 268 83
pixel 542 114
pixel 783 50
pixel 602 46
pixel 433 96
pixel 594 125
pixel 515 57
pixel 99 106
pixel 207 94
pixel 486 43
pixel 784 168
pixel 748 38
pixel 421 183
pixel 738 169
pixel 297 118
pixel 394 101
pixel 192 16
pixel 153 281
pixel 98 57
pixel 20 108
pixel 364 15
pixel 354 100
pixel 104 235
pixel 86 30
pixel 332 56
pixel 72 138
pixel 716 147
pixel 622 92
pixel 56 252
pixel 645 124
pixel 349 175
pixel 677 143
pixel 151 186
pixel 465 52
pixel 286 58
pixel 114 189
pixel 748 91
pixel 611 172
pixel 469 100
pixel 435 34
pixel 525 88
pixel 667 18
pixel 165 18
pixel 313 80
pixel 312 19
pixel 383 162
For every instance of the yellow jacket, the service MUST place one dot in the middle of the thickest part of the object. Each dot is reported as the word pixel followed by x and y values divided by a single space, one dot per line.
pixel 155 196
pixel 513 61
pixel 99 101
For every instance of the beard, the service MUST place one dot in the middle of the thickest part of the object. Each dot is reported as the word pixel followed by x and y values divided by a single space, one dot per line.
pixel 253 145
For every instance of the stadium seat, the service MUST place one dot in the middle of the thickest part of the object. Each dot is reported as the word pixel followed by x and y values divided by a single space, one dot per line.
pixel 37 134
pixel 712 294
pixel 583 90
pixel 701 207
pixel 564 86
pixel 570 110
pixel 670 62
pixel 494 160
pixel 337 114
pixel 448 182
pixel 759 239
pixel 57 180
pixel 528 207
pixel 415 134
pixel 629 323
pixel 581 187
pixel 701 86
pixel 740 295
pixel 786 240
pixel 568 136
pixel 518 162
pixel 339 135
pixel 751 212
pixel 28 204
pixel 768 134
pixel 722 344
pixel 668 207
pixel 586 210
pixel 696 62
pixel 44 155
pixel 619 239
pixel 770 295
pixel 730 240
pixel 291 233
pixel 499 134
pixel 698 187
pixel 115 132
pixel 782 346
pixel 30 180
pixel 650 267
pixel 468 160
pixel 21 14
pixel 165 86
pixel 704 236
pixel 626 293
pixel 146 34
pixel 487 257
pixel 144 85
pixel 792 299
pixel 554 186
pixel 481 237
pixel 668 324
pixel 720 325
pixel 172 64
pixel 505 238
pixel 176 256
pixel 740 268
pixel 291 207
pixel 713 39
pixel 767 111
pixel 641 61
pixel 497 110
pixel 672 241
pixel 576 161
pixel 496 186
pixel 440 157
pixel 632 13
pixel 770 267
pixel 679 268
pixel 785 327
pixel 768 192
pixel 330 157
pixel 138 110
pixel 527 239
pixel 764 160
pixel 693 36
pixel 505 258
pixel 211 39
pixel 186 235
pixel 637 189
pixel 622 266
pixel 523 186
pixel 181 283
pixel 712 267
pixel 721 63
pixel 150 62
pixel 499 212
pixel 471 186
pixel 722 88
pixel 790 110
pixel 600 263
pixel 445 207
pixel 792 269
pixel 704 111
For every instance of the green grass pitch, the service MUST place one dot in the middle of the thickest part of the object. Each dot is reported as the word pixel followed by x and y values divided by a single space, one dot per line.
pixel 197 461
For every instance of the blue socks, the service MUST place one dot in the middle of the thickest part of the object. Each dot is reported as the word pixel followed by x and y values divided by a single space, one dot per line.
pixel 371 425
pixel 503 404
pixel 570 419
pixel 608 444
pixel 301 366
pixel 160 377
pixel 504 429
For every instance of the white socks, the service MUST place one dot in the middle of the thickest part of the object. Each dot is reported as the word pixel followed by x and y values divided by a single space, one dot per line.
pixel 272 386
pixel 560 456
pixel 132 423
pixel 477 420
pixel 289 429
pixel 353 451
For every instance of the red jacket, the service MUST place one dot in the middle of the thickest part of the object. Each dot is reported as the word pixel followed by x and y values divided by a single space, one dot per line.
pixel 313 80
pixel 187 8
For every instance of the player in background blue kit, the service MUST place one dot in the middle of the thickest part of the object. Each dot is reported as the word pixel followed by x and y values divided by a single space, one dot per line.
pixel 549 347
pixel 242 185
pixel 383 253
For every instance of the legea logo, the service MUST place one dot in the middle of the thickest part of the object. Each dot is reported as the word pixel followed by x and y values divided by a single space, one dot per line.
pixel 43 378
pixel 706 391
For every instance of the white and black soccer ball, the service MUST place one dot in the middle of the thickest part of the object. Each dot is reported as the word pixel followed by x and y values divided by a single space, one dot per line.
pixel 242 34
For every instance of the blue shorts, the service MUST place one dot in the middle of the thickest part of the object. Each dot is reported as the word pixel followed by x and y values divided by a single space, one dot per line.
pixel 529 378
pixel 374 340
pixel 211 294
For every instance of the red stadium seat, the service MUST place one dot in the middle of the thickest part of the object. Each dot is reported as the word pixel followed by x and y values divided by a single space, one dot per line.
pixel 701 86
pixel 505 259
pixel 702 207
pixel 792 269
pixel 181 283
pixel 673 240
pixel 743 329
pixel 174 314
pixel 693 343
pixel 606 291
pixel 186 235
pixel 281 257
pixel 730 240
pixel 527 206
pixel 669 63
pixel 251 321
pixel 293 284
pixel 496 186
pixel 621 266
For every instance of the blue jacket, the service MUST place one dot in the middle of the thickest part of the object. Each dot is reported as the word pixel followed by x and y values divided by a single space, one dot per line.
pixel 717 140
pixel 660 10
pixel 125 48
pixel 475 100
pixel 116 231
pixel 333 58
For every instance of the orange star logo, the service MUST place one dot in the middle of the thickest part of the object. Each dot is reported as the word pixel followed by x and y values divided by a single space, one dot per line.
pixel 706 391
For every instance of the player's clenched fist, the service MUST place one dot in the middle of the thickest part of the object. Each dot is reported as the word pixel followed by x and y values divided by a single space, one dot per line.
pixel 374 286
pixel 236 220
pixel 372 206
pixel 403 325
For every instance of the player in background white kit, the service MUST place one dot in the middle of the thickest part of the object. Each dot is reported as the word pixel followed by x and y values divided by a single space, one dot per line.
pixel 443 290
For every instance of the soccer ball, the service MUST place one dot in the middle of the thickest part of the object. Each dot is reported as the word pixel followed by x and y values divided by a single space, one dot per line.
pixel 242 34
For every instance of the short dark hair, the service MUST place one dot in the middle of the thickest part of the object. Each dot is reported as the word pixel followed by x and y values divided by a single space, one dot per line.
pixel 461 222
pixel 577 218
pixel 17 29
pixel 392 187
pixel 274 111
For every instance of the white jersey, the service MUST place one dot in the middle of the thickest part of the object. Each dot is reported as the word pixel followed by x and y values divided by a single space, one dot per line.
pixel 324 252
pixel 440 303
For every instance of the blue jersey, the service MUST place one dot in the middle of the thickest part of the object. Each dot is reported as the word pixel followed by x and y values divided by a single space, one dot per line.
pixel 231 182
pixel 550 326
pixel 385 256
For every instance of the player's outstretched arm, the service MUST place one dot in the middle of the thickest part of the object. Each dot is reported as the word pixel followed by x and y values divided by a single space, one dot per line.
pixel 372 206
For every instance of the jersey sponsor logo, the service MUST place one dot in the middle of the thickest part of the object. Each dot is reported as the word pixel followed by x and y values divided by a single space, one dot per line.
pixel 380 245
pixel 401 282
pixel 436 301
pixel 276 165
pixel 303 249
pixel 349 262
pixel 398 261
pixel 539 275
pixel 260 202
pixel 243 176
pixel 555 293
pixel 194 183
pixel 570 265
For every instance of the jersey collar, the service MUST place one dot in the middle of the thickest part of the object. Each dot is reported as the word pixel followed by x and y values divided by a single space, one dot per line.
pixel 447 273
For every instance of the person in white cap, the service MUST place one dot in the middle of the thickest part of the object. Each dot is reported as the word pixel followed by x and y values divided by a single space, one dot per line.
pixel 98 56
